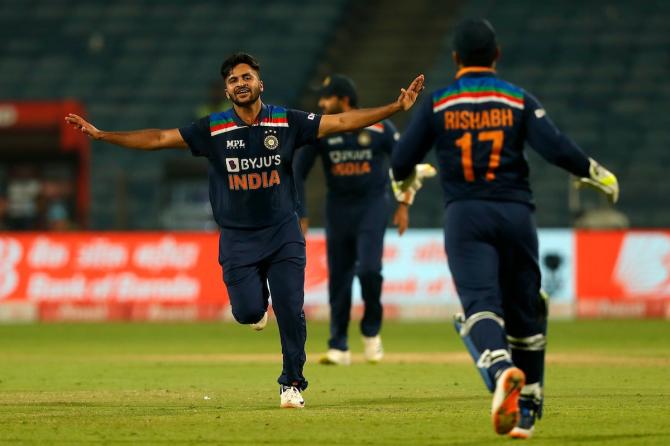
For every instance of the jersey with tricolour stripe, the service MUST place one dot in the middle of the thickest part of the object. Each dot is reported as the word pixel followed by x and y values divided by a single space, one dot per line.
pixel 250 174
pixel 480 120
pixel 479 125
pixel 355 164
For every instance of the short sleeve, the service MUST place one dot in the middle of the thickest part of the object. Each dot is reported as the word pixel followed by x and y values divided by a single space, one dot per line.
pixel 305 125
pixel 197 136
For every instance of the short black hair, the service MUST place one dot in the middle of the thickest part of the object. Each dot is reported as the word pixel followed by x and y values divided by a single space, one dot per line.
pixel 475 43
pixel 340 86
pixel 237 58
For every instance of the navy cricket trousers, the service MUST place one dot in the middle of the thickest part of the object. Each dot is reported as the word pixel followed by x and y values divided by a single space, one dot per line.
pixel 492 250
pixel 355 244
pixel 263 264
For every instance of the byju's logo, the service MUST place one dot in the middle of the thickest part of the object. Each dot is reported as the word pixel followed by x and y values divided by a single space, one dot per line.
pixel 235 144
pixel 232 164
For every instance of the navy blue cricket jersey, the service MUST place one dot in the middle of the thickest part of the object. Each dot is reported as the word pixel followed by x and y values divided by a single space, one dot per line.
pixel 355 164
pixel 479 124
pixel 250 166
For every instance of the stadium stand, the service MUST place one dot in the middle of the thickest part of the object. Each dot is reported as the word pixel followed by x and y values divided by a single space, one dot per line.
pixel 142 63
pixel 600 71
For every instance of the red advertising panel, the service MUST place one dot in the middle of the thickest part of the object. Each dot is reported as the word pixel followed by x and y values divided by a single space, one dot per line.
pixel 623 273
pixel 168 276
pixel 113 276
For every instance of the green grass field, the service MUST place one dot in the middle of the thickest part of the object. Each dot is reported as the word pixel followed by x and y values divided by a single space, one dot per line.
pixel 608 382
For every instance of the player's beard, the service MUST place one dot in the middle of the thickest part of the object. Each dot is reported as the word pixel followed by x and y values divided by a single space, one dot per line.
pixel 254 94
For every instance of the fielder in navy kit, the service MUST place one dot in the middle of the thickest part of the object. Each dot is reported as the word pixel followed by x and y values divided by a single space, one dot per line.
pixel 357 210
pixel 479 125
pixel 250 149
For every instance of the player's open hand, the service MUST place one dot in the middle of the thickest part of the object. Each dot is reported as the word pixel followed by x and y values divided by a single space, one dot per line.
pixel 401 218
pixel 83 126
pixel 408 96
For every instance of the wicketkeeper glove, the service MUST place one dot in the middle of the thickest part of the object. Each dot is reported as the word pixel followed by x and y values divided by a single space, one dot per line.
pixel 602 180
pixel 406 190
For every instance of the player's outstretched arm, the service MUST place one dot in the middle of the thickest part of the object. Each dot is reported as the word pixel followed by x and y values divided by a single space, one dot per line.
pixel 149 139
pixel 363 117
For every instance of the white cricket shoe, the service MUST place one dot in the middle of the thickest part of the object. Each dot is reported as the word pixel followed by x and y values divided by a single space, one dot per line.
pixel 336 357
pixel 505 412
pixel 258 326
pixel 290 398
pixel 374 351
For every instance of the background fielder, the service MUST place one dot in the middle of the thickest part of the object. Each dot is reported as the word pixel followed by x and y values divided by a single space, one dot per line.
pixel 357 210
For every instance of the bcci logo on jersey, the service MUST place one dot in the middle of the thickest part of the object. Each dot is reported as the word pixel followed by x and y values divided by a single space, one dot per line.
pixel 271 142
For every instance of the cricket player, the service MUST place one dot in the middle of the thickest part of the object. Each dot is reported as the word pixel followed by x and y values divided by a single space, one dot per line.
pixel 250 149
pixel 357 210
pixel 479 124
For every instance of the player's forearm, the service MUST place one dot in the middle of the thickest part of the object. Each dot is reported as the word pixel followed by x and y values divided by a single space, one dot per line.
pixel 409 152
pixel 148 139
pixel 571 158
pixel 356 119
pixel 557 148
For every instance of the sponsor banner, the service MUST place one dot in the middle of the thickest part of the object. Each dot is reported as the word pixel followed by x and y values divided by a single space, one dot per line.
pixel 111 276
pixel 417 279
pixel 165 276
pixel 623 273
pixel 415 270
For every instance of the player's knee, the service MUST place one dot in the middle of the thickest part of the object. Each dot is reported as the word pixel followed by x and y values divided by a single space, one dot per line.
pixel 369 275
pixel 248 315
pixel 474 306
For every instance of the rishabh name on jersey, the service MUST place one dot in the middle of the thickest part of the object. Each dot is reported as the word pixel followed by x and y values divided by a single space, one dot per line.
pixel 480 120
pixel 499 97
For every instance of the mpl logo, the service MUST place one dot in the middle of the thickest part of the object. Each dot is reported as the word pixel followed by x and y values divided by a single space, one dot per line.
pixel 643 265
pixel 11 252
pixel 235 144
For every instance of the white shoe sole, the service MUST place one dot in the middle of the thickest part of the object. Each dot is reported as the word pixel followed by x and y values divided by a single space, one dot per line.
pixel 290 405
pixel 373 350
pixel 522 434
pixel 258 326
pixel 335 357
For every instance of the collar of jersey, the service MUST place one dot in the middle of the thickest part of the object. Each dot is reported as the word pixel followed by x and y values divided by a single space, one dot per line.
pixel 476 71
pixel 240 123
